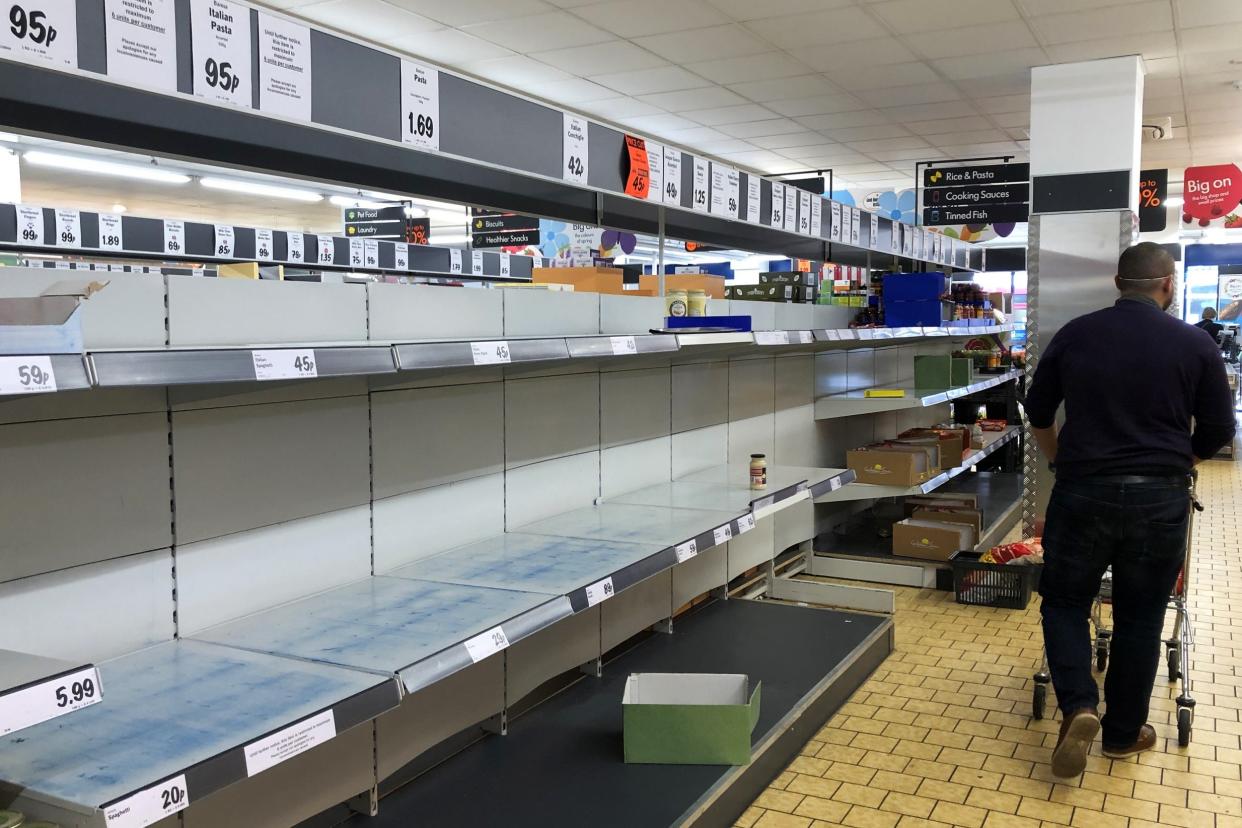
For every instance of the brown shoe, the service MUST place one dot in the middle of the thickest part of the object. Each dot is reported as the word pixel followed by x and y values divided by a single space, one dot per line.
pixel 1078 730
pixel 1146 741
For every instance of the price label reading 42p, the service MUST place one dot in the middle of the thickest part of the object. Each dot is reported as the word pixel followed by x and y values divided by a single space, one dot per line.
pixel 27 375
pixel 490 353
pixel 68 228
pixel 284 364
pixel 149 806
pixel 576 160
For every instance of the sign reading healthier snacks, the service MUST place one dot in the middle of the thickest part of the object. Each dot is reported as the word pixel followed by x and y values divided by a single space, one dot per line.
pixel 142 42
pixel 420 106
pixel 284 68
pixel 220 40
pixel 45 31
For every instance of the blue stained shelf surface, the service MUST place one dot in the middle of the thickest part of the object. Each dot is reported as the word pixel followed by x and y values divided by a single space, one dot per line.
pixel 166 709
pixel 382 623
pixel 631 524
pixel 532 563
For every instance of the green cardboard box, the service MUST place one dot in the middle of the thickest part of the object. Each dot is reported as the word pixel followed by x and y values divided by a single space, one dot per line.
pixel 689 718
pixel 933 372
pixel 962 370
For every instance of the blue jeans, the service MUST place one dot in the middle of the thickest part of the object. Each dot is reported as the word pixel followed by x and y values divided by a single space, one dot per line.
pixel 1139 529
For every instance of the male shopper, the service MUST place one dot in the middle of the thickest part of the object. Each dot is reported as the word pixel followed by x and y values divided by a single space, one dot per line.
pixel 1208 323
pixel 1146 399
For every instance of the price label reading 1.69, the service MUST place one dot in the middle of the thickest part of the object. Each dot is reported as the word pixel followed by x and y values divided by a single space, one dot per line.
pixel 285 363
pixel 27 375
pixel 420 96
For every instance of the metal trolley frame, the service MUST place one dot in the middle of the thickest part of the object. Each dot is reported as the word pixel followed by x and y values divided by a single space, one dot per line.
pixel 1177 647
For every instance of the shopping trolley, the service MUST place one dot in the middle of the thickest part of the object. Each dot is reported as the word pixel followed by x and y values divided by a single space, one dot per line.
pixel 1177 647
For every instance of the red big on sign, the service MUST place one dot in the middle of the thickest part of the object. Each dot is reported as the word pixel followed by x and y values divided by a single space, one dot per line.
pixel 1211 192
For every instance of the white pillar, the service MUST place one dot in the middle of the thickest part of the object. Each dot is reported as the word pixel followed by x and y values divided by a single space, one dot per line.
pixel 10 177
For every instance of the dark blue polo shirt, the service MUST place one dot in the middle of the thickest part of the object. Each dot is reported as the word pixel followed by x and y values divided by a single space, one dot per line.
pixel 1144 392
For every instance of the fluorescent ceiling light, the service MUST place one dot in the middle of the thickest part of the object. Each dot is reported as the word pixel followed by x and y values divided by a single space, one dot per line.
pixel 94 165
pixel 443 217
pixel 462 239
pixel 119 208
pixel 355 201
pixel 377 196
pixel 236 185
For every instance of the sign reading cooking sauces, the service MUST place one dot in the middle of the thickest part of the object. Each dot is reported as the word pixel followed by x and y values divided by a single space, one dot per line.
pixel 984 194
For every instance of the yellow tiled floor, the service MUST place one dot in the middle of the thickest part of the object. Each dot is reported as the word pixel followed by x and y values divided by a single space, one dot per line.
pixel 942 734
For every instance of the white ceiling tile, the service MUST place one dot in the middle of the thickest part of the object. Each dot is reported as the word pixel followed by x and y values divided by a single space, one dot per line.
pixel 709 97
pixel 371 19
pixel 657 124
pixel 994 63
pixel 1163 106
pixel 821 105
pixel 1207 12
pixel 748 68
pixel 753 129
pixel 907 142
pixel 855 54
pixel 751 10
pixel 1018 133
pixel 1204 63
pixel 539 32
pixel 931 111
pixel 883 77
pixel 720 116
pixel 975 40
pixel 806 86
pixel 916 154
pixel 649 81
pixel 1154 88
pixel 759 159
pixel 465 12
pixel 1212 99
pixel 976 136
pixel 992 86
pixel 945 125
pixel 841 120
pixel 867 133
pixel 1150 45
pixel 1209 130
pixel 600 58
pixel 447 47
pixel 1162 67
pixel 834 154
pixel 819 28
pixel 516 71
pixel 971 150
pixel 621 107
pixel 1012 119
pixel 696 135
pixel 569 4
pixel 637 18
pixel 927 93
pixel 1232 115
pixel 1211 38
pixel 725 145
pixel 704 44
pixel 1137 18
pixel 1005 103
pixel 1034 7
pixel 861 170
pixel 917 16
pixel 572 91
pixel 805 138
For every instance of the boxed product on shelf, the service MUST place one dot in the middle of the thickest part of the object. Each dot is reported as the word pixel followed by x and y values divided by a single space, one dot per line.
pixel 788 278
pixel 966 517
pixel 48 323
pixel 953 442
pixel 935 500
pixel 689 718
pixel 942 371
pixel 889 465
pixel 586 279
pixel 930 540
pixel 938 458
pixel 713 286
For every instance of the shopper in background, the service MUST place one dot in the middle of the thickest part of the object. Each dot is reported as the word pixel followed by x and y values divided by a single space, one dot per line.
pixel 1208 323
pixel 1146 399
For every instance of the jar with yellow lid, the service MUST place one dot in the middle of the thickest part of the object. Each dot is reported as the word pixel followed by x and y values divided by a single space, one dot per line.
pixel 677 303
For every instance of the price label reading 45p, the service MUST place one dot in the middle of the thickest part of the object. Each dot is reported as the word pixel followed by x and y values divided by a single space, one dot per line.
pixel 149 806
pixel 490 353
pixel 601 591
pixel 488 643
pixel 284 364
pixel 26 375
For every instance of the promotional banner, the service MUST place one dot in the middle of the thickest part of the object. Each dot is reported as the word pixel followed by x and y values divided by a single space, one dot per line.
pixel 1211 193
pixel 1153 190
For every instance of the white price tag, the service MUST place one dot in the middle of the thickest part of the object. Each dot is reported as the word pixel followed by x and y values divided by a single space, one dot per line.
pixel 817 215
pixel 752 198
pixel 806 337
pixel 804 212
pixel 894 239
pixel 110 235
pixel 833 335
pixel 624 346
pixel 686 551
pixel 284 364
pixel 49 699
pixel 700 183
pixel 771 337
pixel 722 534
pixel 745 523
pixel 655 171
pixel 400 256
pixel 717 177
pixel 370 253
pixel 224 241
pixel 672 176
pixel 575 161
pixel 855 225
pixel 327 250
pixel 284 68
pixel 68 228
pixel 834 216
pixel 141 42
pixel 174 237
pixel 29 224
pixel 220 40
pixel 874 237
pixel 733 193
pixel 495 352
pixel 420 105
pixel 149 806
pixel 265 245
pixel 355 252
pixel 42 33
pixel 777 217
pixel 454 260
pixel 485 644
pixel 289 742
pixel 791 207
pixel 506 265
pixel 476 262
pixel 296 244
pixel 601 591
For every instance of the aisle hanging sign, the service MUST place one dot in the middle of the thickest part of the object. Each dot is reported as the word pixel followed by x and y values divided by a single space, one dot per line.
pixel 141 42
pixel 420 106
pixel 68 228
pixel 220 42
pixel 265 245
pixel 41 32
pixel 1153 190
pixel 698 190
pixel 752 198
pixel 835 232
pixel 575 161
pixel 983 194
pixel 791 207
pixel 284 68
pixel 638 167
pixel 655 171
pixel 110 235
pixel 672 176
pixel 776 218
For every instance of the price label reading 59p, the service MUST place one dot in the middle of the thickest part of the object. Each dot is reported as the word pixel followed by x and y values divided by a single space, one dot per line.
pixel 26 375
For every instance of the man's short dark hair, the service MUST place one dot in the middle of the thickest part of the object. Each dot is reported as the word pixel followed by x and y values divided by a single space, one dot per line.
pixel 1145 261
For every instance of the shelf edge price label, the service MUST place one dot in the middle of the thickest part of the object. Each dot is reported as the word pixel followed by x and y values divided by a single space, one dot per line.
pixel 486 644
pixel 686 551
pixel 672 176
pixel 873 239
pixel 804 212
pixel 296 247
pixel 776 217
pixel 623 345
pixel 771 337
pixel 806 337
pixel 284 363
pixel 476 262
pixel 27 375
pixel 753 194
pixel 576 160
pixel 355 252
pixel 68 228
pixel 150 805
pixel 834 219
pixel 174 237
pixel 506 265
pixel 745 523
pixel 42 33
pixel 400 256
pixel 224 241
pixel 327 250
pixel 722 534
pixel 454 260
pixel 49 699
pixel 601 591
pixel 495 352
pixel 370 253
pixel 110 235
pixel 817 215
pixel 700 184
pixel 289 742
pixel 420 106
pixel 265 245
pixel 29 224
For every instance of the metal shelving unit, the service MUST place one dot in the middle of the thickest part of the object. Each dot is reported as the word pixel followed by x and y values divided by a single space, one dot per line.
pixel 856 402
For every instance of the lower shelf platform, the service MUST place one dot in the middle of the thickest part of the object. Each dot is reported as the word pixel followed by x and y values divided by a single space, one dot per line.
pixel 561 763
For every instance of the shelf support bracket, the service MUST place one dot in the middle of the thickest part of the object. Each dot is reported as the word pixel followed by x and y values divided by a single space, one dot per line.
pixel 365 803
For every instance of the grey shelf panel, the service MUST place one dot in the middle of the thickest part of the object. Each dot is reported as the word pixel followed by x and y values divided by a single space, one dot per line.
pixel 183 707
pixel 421 356
pixel 856 402
pixel 191 367
pixel 29 686
pixel 629 523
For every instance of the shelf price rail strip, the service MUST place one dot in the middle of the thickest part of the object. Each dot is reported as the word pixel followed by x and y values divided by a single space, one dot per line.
pixel 45 689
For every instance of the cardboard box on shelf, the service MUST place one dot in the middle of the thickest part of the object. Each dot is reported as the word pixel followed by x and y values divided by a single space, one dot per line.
pixel 49 323
pixel 953 442
pixel 934 500
pixel 587 279
pixel 788 278
pixel 889 466
pixel 929 540
pixel 714 286
pixel 966 517
pixel 935 372
pixel 689 718
pixel 936 455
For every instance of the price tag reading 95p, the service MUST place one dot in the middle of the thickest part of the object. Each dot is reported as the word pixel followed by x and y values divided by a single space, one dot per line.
pixel 488 643
pixel 149 806
pixel 284 364
pixel 495 352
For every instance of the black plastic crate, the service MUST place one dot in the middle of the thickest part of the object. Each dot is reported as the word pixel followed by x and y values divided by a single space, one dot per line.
pixel 1007 586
